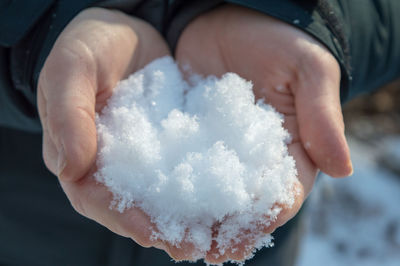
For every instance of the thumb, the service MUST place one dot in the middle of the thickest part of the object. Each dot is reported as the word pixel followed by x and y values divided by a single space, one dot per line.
pixel 320 120
pixel 66 101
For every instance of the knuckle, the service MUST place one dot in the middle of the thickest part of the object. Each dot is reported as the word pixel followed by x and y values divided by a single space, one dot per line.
pixel 77 204
pixel 79 55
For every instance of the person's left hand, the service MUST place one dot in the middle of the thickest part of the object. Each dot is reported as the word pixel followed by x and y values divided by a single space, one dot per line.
pixel 293 72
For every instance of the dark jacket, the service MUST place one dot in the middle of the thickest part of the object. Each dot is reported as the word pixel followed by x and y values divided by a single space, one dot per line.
pixel 37 224
pixel 364 36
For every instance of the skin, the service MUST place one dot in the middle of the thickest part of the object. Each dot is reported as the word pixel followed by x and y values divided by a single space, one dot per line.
pixel 75 82
pixel 293 72
pixel 84 65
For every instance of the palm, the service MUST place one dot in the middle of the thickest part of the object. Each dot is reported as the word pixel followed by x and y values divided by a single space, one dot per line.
pixel 290 70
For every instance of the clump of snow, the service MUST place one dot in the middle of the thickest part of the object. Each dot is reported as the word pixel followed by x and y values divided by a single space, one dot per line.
pixel 195 157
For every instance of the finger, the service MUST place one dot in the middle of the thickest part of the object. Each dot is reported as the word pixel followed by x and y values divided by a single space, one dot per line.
pixel 185 251
pixel 93 200
pixel 307 173
pixel 278 96
pixel 67 100
pixel 241 251
pixel 214 256
pixel 321 122
pixel 49 149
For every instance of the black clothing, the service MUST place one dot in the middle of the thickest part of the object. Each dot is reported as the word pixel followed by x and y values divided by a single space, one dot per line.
pixel 37 224
pixel 364 36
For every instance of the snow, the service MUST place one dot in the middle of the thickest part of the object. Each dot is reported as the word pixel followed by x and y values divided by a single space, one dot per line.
pixel 193 157
pixel 356 220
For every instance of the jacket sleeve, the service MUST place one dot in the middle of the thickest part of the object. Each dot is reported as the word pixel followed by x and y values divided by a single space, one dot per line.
pixel 363 36
pixel 28 30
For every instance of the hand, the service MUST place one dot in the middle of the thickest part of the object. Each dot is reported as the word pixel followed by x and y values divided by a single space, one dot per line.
pixel 96 50
pixel 292 71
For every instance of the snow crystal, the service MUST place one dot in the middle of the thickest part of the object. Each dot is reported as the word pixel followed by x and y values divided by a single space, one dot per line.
pixel 195 157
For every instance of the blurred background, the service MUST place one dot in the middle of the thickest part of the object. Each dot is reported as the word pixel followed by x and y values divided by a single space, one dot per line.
pixel 355 221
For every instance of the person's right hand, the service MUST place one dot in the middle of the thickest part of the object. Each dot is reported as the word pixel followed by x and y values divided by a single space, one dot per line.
pixel 97 49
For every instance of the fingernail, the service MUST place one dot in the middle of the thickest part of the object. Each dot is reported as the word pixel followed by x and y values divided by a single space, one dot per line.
pixel 61 162
pixel 352 169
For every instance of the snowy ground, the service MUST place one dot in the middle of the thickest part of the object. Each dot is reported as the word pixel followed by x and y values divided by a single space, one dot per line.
pixel 356 221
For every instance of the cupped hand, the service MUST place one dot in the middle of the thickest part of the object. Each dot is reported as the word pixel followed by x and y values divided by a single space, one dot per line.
pixel 96 50
pixel 293 72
